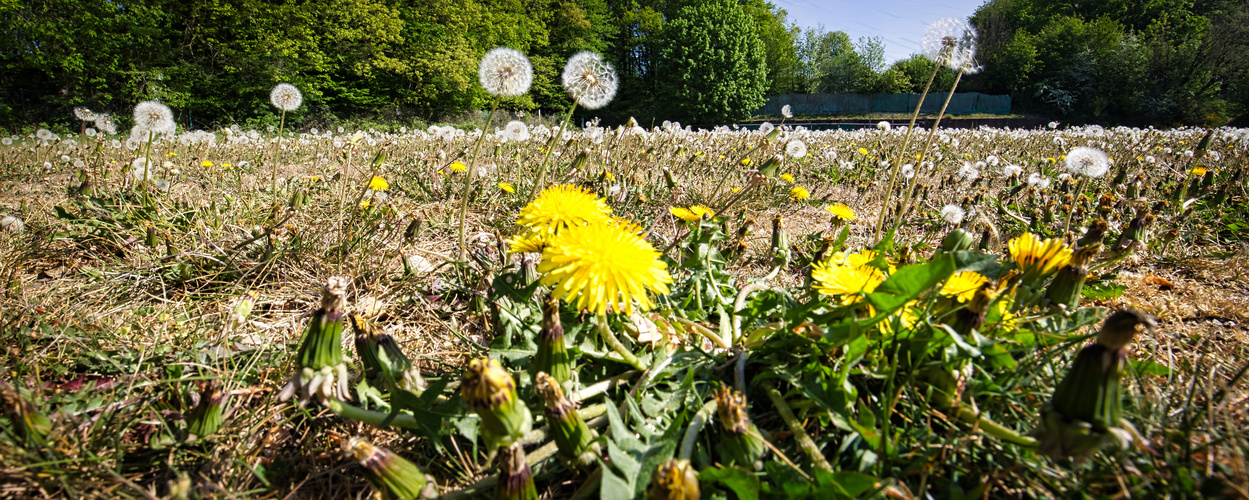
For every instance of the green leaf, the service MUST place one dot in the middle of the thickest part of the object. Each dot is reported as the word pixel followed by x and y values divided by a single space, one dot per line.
pixel 744 484
pixel 613 487
pixel 909 282
pixel 1148 368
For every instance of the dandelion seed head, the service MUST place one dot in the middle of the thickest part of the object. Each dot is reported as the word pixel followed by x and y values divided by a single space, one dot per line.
pixel 590 80
pixel 154 117
pixel 884 126
pixel 787 112
pixel 1087 161
pixel 286 97
pixel 952 214
pixel 505 72
pixel 84 114
pixel 12 224
pixel 1012 170
pixel 796 148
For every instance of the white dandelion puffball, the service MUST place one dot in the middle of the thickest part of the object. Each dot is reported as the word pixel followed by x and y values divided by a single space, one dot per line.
pixel 516 130
pixel 952 214
pixel 968 171
pixel 139 169
pixel 1088 161
pixel 766 128
pixel 84 114
pixel 12 224
pixel 590 80
pixel 44 134
pixel 787 111
pixel 908 171
pixel 1038 181
pixel 7 141
pixel 796 149
pixel 505 72
pixel 1012 170
pixel 286 97
pixel 153 116
pixel 951 42
pixel 884 126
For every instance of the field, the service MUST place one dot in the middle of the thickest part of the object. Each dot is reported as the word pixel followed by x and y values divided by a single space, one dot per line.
pixel 776 343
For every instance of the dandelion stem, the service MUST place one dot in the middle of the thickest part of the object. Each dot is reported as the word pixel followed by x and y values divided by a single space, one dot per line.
pixel 540 183
pixel 906 204
pixel 696 426
pixel 277 150
pixel 468 177
pixel 610 337
pixel 1084 179
pixel 147 168
pixel 800 434
pixel 884 204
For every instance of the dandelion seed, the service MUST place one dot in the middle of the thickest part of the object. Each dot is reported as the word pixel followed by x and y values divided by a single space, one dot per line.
pixel 590 80
pixel 952 214
pixel 1087 161
pixel 505 72
pixel 286 97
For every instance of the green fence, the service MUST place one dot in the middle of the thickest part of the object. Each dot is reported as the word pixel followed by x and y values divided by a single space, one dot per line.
pixel 860 104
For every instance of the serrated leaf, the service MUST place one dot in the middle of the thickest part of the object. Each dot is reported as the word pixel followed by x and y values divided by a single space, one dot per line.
pixel 613 487
pixel 623 461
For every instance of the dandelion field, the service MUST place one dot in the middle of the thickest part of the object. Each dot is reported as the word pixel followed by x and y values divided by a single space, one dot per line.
pixel 129 305
pixel 536 310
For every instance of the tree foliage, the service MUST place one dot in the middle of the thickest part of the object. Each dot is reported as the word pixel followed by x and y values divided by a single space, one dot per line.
pixel 713 63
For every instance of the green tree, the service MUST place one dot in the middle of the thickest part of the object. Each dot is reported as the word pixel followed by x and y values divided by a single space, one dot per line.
pixel 712 63
pixel 779 46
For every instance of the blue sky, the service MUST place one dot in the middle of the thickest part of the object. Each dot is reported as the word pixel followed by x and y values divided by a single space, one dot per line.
pixel 900 23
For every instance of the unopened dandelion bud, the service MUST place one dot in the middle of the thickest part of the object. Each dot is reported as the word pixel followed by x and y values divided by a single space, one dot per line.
pixel 1133 237
pixel 490 392
pixel 381 356
pixel 515 476
pixel 675 479
pixel 320 358
pixel 1096 231
pixel 972 317
pixel 1084 414
pixel 413 231
pixel 580 161
pixel 740 444
pixel 780 243
pixel 574 438
pixel 298 198
pixel 393 476
pixel 30 423
pixel 956 240
pixel 1068 284
pixel 769 167
pixel 669 180
pixel 552 356
pixel 208 415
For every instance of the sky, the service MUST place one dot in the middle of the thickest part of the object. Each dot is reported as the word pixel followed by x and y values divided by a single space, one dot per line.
pixel 900 23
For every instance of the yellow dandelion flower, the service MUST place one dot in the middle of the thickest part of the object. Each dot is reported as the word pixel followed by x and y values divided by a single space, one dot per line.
pixel 527 242
pixel 799 193
pixel 378 184
pixel 693 214
pixel 507 187
pixel 736 190
pixel 1036 258
pixel 561 206
pixel 226 165
pixel 787 178
pixel 609 176
pixel 863 151
pixel 206 163
pixel 171 154
pixel 600 265
pixel 847 276
pixel 745 162
pixel 963 286
pixel 458 166
pixel 1199 171
pixel 841 211
pixel 907 316
pixel 365 204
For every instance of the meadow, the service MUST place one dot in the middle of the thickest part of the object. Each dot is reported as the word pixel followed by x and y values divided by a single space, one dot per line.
pixel 520 308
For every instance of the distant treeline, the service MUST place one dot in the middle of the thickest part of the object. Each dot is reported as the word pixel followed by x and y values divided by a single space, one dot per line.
pixel 704 62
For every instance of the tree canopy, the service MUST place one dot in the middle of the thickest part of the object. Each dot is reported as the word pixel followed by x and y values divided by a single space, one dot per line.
pixel 1129 61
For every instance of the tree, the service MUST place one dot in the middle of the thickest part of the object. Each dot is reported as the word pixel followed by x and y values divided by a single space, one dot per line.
pixel 779 46
pixel 712 63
